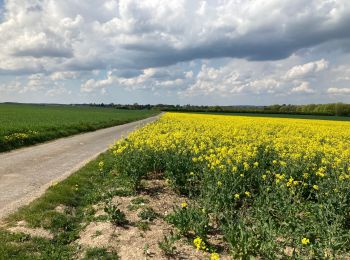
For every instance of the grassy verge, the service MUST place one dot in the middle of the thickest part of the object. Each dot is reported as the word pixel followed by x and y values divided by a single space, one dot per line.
pixel 91 184
pixel 23 125
pixel 97 214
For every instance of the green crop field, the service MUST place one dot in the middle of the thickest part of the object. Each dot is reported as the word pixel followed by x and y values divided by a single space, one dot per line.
pixel 23 125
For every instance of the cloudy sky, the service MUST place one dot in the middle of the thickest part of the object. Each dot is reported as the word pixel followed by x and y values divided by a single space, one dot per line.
pixel 226 52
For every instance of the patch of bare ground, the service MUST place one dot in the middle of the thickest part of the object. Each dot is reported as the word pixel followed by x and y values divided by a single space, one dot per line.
pixel 98 234
pixel 22 227
pixel 61 208
pixel 135 241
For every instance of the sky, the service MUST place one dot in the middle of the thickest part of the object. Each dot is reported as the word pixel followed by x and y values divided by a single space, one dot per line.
pixel 215 52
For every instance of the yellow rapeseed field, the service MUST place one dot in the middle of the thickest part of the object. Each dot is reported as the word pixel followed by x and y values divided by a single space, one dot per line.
pixel 275 188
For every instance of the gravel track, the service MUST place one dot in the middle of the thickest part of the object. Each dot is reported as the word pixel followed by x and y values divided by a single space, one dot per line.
pixel 26 173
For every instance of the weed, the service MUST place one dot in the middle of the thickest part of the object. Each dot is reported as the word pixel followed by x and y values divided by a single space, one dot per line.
pixel 143 225
pixel 100 254
pixel 115 215
pixel 97 233
pixel 148 214
pixel 190 219
pixel 22 246
pixel 101 218
pixel 146 250
pixel 167 244
pixel 137 203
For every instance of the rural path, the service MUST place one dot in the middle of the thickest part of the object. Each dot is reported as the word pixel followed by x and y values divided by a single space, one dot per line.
pixel 26 173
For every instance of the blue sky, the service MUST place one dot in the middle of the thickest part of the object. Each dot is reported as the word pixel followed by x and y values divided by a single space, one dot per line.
pixel 213 52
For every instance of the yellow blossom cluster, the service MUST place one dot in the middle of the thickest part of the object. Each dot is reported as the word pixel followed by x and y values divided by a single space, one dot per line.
pixel 232 144
pixel 19 136
pixel 265 168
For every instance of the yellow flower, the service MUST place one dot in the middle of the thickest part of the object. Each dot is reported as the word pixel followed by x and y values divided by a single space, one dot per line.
pixel 101 164
pixel 283 163
pixel 226 148
pixel 184 205
pixel 246 166
pixel 321 174
pixel 199 243
pixel 214 256
pixel 305 241
pixel 291 182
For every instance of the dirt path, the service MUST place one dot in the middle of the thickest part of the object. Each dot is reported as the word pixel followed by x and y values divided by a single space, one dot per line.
pixel 26 173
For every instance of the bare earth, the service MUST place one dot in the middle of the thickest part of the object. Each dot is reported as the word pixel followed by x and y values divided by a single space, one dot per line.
pixel 129 241
pixel 26 173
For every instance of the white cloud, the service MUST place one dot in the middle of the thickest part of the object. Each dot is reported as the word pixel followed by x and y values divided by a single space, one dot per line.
pixel 342 73
pixel 338 91
pixel 36 84
pixel 63 75
pixel 306 70
pixel 58 91
pixel 251 48
pixel 63 35
pixel 89 86
pixel 214 81
pixel 152 79
pixel 189 74
pixel 11 87
pixel 304 87
pixel 267 85
pixel 240 77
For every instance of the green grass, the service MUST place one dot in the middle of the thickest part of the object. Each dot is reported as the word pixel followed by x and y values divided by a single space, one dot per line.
pixel 21 246
pixel 23 125
pixel 88 186
pixel 100 253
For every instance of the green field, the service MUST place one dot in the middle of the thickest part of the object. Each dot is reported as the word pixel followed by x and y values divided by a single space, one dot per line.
pixel 23 125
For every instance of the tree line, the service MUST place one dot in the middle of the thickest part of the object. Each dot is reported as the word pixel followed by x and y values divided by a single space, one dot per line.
pixel 333 109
